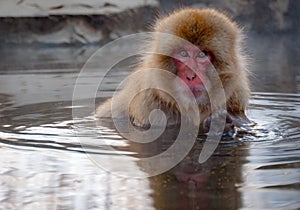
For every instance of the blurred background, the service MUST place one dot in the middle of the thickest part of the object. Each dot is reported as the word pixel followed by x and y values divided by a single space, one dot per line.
pixel 272 28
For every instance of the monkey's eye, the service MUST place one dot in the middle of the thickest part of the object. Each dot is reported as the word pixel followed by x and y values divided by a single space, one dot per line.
pixel 201 54
pixel 183 53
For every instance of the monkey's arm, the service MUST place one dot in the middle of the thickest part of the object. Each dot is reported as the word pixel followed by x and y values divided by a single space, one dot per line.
pixel 129 103
pixel 104 110
pixel 114 107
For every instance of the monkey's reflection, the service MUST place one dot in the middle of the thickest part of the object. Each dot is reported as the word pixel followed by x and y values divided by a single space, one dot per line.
pixel 189 184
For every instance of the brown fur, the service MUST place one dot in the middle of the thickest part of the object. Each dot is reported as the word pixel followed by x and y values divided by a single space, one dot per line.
pixel 206 28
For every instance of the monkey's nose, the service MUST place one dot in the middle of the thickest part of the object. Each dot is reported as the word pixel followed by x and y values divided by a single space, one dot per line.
pixel 190 76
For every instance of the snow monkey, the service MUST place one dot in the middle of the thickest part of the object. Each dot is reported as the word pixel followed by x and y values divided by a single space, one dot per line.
pixel 213 47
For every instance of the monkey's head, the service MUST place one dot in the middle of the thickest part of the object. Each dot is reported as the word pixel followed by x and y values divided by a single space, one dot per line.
pixel 211 42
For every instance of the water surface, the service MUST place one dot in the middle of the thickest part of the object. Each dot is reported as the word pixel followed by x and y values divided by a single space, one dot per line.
pixel 44 165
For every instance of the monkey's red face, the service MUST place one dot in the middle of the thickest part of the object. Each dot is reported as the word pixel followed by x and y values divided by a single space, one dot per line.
pixel 192 63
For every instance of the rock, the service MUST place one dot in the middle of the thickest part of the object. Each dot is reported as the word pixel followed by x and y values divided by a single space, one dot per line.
pixel 97 21
pixel 72 22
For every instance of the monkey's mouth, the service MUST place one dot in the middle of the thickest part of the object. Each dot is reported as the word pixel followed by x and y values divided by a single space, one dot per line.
pixel 197 91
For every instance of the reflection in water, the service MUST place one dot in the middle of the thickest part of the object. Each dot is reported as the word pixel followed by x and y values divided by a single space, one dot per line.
pixel 51 179
pixel 44 165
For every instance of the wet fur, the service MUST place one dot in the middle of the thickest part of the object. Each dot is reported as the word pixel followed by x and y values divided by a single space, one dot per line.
pixel 207 28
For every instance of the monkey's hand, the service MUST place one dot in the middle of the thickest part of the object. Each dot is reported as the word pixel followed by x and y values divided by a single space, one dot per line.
pixel 155 118
pixel 228 128
pixel 234 124
pixel 140 124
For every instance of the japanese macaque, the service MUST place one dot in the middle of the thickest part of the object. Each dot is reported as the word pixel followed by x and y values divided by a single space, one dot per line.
pixel 200 47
